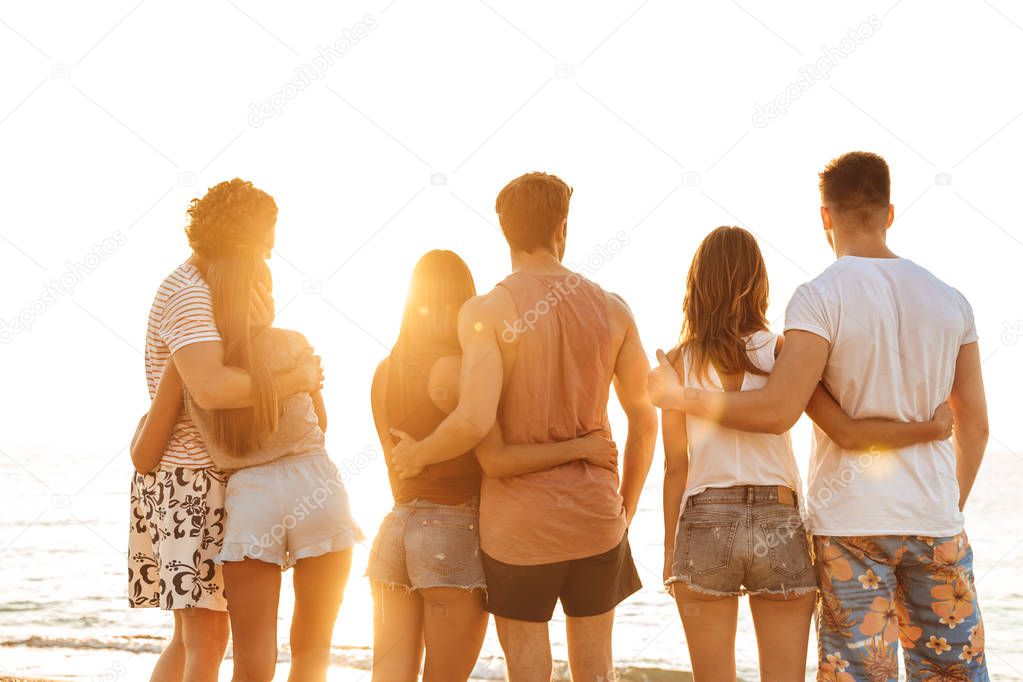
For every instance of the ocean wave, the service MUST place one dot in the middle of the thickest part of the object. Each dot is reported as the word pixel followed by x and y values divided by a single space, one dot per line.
pixel 359 658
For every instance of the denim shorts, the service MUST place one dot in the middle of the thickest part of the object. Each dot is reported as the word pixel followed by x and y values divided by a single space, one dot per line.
pixel 423 544
pixel 742 540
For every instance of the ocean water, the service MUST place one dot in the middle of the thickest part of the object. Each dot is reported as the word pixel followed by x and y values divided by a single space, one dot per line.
pixel 63 536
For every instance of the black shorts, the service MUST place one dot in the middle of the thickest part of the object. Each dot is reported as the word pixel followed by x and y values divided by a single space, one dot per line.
pixel 586 587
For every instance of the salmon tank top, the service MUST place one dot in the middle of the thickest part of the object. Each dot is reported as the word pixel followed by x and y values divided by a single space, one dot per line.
pixel 410 409
pixel 556 390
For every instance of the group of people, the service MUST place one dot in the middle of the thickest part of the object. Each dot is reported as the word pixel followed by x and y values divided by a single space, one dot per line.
pixel 510 494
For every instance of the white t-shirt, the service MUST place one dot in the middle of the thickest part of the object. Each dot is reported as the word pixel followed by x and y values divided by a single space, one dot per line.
pixel 720 457
pixel 182 314
pixel 894 332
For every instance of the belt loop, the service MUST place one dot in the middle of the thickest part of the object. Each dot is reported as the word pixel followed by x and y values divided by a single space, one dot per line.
pixel 750 494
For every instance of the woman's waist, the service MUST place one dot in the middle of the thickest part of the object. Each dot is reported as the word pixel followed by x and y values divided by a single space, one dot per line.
pixel 462 467
pixel 468 507
pixel 268 458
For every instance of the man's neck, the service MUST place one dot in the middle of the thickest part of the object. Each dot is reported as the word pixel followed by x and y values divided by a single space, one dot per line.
pixel 541 262
pixel 862 245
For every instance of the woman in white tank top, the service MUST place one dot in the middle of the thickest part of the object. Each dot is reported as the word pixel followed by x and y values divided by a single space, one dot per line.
pixel 721 457
pixel 733 503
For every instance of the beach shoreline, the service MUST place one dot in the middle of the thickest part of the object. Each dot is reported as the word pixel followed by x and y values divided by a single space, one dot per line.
pixel 30 664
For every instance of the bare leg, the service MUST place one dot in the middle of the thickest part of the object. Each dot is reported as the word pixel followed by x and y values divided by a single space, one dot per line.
pixel 783 634
pixel 589 647
pixel 319 587
pixel 455 624
pixel 204 635
pixel 170 667
pixel 253 589
pixel 527 649
pixel 397 634
pixel 710 623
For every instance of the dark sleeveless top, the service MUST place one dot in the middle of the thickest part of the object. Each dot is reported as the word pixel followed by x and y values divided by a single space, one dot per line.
pixel 410 409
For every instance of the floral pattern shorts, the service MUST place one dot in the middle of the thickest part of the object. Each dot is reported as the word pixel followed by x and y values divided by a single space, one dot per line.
pixel 878 592
pixel 177 529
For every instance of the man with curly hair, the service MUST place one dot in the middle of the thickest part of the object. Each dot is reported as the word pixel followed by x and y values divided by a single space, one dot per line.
pixel 177 495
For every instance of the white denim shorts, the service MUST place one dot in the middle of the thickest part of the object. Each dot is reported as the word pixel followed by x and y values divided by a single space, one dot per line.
pixel 287 510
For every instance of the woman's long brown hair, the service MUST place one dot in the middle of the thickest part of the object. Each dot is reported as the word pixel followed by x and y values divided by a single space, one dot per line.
pixel 725 302
pixel 441 283
pixel 232 280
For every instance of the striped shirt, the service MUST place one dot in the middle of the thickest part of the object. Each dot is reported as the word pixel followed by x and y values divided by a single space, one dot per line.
pixel 182 314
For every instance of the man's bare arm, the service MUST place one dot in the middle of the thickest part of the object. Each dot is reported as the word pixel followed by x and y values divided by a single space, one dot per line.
pixel 969 408
pixel 500 459
pixel 863 434
pixel 216 386
pixel 772 409
pixel 480 382
pixel 630 374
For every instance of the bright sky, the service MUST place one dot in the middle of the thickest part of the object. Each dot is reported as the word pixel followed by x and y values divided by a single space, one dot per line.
pixel 669 119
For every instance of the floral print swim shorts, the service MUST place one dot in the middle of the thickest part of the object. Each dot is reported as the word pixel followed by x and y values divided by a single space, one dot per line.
pixel 878 592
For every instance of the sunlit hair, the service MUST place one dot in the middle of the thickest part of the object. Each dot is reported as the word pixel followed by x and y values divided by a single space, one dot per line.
pixel 725 302
pixel 233 216
pixel 531 208
pixel 232 281
pixel 857 187
pixel 441 283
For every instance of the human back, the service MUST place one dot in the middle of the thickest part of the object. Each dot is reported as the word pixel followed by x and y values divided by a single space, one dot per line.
pixel 560 340
pixel 297 432
pixel 721 457
pixel 895 331
pixel 441 283
pixel 410 408
pixel 725 344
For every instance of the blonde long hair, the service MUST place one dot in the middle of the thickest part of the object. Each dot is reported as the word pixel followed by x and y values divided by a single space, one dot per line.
pixel 232 280
pixel 725 301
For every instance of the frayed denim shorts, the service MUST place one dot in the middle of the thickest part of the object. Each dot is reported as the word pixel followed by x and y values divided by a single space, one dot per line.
pixel 423 544
pixel 742 540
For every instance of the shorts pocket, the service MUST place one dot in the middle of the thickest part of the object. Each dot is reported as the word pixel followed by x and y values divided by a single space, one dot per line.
pixel 446 544
pixel 784 538
pixel 708 544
